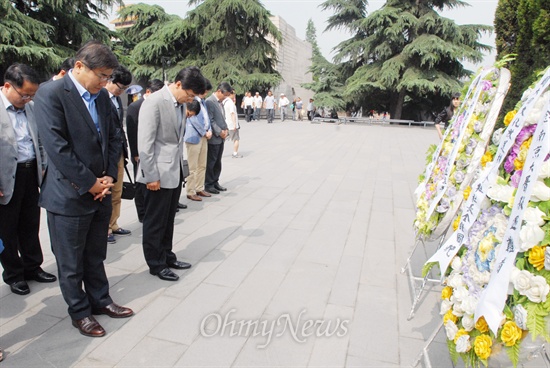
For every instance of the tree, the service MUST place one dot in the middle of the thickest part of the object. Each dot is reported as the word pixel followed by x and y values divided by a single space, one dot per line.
pixel 404 53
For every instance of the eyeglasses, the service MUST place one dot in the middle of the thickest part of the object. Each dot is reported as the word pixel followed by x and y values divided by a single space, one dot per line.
pixel 102 77
pixel 23 97
pixel 123 88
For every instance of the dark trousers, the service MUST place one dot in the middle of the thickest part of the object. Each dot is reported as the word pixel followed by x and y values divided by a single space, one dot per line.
pixel 79 244
pixel 213 164
pixel 19 226
pixel 158 227
pixel 139 198
pixel 248 113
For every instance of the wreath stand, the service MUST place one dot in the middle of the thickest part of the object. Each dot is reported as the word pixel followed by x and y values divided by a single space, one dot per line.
pixel 413 279
pixel 424 352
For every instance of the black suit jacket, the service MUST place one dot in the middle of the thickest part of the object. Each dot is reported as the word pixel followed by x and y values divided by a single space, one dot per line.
pixel 118 117
pixel 77 154
pixel 132 115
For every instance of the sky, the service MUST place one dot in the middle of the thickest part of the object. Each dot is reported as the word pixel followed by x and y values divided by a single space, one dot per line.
pixel 297 12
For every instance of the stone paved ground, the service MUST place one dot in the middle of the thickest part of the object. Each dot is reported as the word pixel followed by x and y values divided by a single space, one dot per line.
pixel 312 233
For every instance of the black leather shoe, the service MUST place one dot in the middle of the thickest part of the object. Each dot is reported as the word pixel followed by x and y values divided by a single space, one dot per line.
pixel 167 275
pixel 182 206
pixel 42 276
pixel 88 326
pixel 220 188
pixel 20 288
pixel 178 265
pixel 211 190
pixel 114 310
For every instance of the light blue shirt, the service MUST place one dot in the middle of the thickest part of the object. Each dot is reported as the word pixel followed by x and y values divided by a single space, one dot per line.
pixel 18 117
pixel 88 98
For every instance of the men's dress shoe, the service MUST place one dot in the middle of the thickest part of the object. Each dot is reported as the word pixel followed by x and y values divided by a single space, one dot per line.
pixel 181 205
pixel 179 265
pixel 167 275
pixel 220 188
pixel 42 276
pixel 202 193
pixel 212 190
pixel 114 310
pixel 194 197
pixel 20 287
pixel 88 326
pixel 111 239
pixel 121 231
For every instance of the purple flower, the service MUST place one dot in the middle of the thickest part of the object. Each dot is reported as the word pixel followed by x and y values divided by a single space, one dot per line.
pixel 514 180
pixel 486 85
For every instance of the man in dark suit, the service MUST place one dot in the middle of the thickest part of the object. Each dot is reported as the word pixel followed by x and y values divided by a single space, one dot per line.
pixel 132 115
pixel 160 144
pixel 20 176
pixel 120 83
pixel 219 133
pixel 79 136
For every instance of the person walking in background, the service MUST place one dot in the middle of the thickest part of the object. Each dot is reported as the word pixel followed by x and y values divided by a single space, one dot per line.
pixel 160 144
pixel 83 147
pixel 299 106
pixel 442 120
pixel 247 106
pixel 21 168
pixel 270 105
pixel 310 109
pixel 257 106
pixel 232 121
pixel 197 134
pixel 120 83
pixel 283 104
pixel 216 142
pixel 132 116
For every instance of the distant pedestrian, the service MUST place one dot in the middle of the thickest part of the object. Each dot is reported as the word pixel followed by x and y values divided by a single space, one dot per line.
pixel 232 121
pixel 299 107
pixel 310 109
pixel 270 105
pixel 257 106
pixel 248 105
pixel 442 120
pixel 283 104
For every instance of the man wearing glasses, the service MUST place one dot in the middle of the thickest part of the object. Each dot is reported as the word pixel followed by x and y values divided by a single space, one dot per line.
pixel 20 177
pixel 77 130
pixel 120 83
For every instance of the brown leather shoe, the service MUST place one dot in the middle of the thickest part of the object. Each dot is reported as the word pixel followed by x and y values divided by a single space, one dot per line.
pixel 202 193
pixel 194 197
pixel 88 326
pixel 114 310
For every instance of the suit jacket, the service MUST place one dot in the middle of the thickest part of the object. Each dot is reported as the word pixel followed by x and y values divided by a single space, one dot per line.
pixel 132 115
pixel 160 140
pixel 8 150
pixel 77 154
pixel 118 116
pixel 217 120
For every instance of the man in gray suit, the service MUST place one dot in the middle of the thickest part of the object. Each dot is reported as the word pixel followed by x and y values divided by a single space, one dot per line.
pixel 20 177
pixel 219 133
pixel 160 146
pixel 77 130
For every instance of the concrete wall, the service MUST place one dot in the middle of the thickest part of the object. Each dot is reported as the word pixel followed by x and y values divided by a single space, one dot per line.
pixel 294 59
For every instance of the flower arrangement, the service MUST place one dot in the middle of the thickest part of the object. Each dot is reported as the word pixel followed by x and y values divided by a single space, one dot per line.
pixel 528 302
pixel 455 161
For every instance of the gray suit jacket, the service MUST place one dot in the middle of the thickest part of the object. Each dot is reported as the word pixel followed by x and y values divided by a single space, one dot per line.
pixel 160 140
pixel 8 150
pixel 217 119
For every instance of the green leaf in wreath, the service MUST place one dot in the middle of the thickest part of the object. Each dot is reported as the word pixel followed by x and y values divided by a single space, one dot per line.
pixel 427 268
pixel 452 351
pixel 513 353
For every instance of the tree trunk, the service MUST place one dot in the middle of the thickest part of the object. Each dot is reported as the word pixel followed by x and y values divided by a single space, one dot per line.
pixel 396 104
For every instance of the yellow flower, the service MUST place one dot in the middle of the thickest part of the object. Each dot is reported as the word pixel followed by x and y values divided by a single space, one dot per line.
pixel 518 164
pixel 485 246
pixel 456 222
pixel 467 192
pixel 481 325
pixel 446 292
pixel 536 257
pixel 509 117
pixel 482 346
pixel 510 333
pixel 459 333
pixel 525 145
pixel 449 316
pixel 487 157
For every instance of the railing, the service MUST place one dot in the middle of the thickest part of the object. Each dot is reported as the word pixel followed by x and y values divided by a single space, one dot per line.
pixel 368 120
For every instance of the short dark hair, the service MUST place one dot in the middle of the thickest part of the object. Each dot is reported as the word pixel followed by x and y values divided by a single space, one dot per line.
pixel 207 85
pixel 122 75
pixel 154 85
pixel 225 87
pixel 95 55
pixel 194 106
pixel 67 64
pixel 191 78
pixel 17 74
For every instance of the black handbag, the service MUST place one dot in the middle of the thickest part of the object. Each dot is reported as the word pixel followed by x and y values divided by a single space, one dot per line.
pixel 128 187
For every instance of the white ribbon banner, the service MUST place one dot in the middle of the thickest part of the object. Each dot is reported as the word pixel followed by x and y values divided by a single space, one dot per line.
pixel 471 208
pixel 493 297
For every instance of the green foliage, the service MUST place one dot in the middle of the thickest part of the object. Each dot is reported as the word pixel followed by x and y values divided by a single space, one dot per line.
pixel 513 353
pixel 536 319
pixel 427 268
pixel 452 351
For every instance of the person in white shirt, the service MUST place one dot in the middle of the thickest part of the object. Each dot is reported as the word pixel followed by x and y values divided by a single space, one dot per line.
pixel 257 106
pixel 247 105
pixel 232 121
pixel 270 105
pixel 283 104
